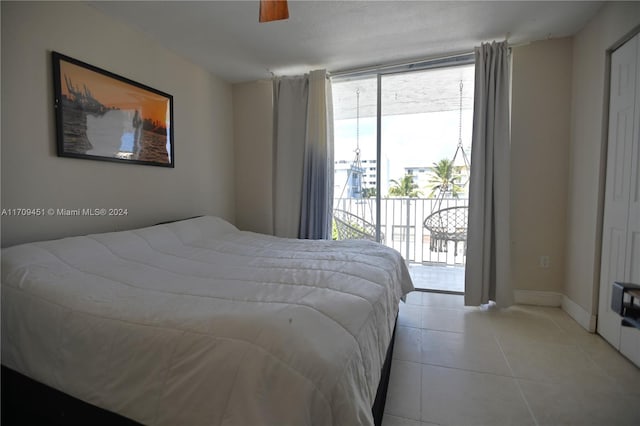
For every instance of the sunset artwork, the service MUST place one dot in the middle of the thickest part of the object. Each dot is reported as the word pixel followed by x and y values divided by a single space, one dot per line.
pixel 107 117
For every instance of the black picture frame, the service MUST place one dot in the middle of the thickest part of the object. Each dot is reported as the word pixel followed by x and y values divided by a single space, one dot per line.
pixel 103 116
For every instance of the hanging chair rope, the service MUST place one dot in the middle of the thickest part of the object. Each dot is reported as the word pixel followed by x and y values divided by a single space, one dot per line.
pixel 353 225
pixel 449 224
pixel 459 149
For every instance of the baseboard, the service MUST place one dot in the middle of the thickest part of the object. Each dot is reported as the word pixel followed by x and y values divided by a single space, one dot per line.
pixel 578 313
pixel 550 298
pixel 537 298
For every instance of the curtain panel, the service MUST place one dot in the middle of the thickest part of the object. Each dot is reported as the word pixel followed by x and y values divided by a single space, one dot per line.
pixel 290 96
pixel 317 182
pixel 303 156
pixel 487 274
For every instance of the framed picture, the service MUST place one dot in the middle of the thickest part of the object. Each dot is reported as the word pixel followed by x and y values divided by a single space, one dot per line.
pixel 103 116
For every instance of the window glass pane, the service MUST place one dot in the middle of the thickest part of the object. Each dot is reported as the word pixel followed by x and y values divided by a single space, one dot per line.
pixel 356 165
pixel 423 169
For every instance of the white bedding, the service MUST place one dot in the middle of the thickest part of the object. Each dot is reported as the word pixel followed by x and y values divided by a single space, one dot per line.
pixel 198 323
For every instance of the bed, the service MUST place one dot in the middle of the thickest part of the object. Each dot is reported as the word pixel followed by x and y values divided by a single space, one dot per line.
pixel 197 323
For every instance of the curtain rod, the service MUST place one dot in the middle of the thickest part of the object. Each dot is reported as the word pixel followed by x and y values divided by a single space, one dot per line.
pixel 389 67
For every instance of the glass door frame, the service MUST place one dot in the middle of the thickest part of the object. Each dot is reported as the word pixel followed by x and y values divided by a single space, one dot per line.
pixel 380 72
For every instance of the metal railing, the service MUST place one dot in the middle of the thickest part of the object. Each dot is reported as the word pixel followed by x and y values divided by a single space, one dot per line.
pixel 402 226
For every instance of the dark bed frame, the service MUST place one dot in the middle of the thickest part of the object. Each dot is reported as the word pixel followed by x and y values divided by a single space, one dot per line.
pixel 27 402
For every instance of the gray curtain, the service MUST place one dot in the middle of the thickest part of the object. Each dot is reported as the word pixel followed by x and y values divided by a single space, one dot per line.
pixel 290 96
pixel 487 274
pixel 303 156
pixel 317 182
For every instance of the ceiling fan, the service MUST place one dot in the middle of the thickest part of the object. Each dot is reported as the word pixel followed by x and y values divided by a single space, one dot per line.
pixel 273 10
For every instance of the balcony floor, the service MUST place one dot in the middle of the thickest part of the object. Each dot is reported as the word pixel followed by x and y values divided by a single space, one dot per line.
pixel 442 278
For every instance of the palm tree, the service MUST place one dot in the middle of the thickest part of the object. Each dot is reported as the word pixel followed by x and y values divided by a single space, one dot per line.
pixel 369 192
pixel 406 187
pixel 445 178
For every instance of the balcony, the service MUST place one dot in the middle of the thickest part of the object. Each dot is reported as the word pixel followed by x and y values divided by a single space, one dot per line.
pixel 436 256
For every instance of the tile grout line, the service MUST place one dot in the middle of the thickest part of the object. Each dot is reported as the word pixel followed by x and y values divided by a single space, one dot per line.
pixel 421 378
pixel 581 348
pixel 421 368
pixel 595 364
pixel 467 370
pixel 401 417
pixel 517 380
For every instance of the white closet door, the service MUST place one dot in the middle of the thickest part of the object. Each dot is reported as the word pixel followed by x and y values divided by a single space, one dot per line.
pixel 630 337
pixel 619 251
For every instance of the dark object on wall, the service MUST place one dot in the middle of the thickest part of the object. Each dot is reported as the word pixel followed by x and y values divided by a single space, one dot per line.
pixel 624 298
pixel 103 116
pixel 176 220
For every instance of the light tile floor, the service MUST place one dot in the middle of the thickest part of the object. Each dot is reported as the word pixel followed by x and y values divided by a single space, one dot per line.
pixel 525 365
pixel 437 277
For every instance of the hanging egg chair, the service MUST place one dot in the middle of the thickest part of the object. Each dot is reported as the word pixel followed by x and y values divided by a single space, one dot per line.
pixel 352 225
pixel 450 223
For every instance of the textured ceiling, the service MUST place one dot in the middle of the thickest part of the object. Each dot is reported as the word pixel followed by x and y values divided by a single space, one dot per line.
pixel 226 38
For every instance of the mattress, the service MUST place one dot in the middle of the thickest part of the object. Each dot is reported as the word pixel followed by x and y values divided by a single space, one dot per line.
pixel 198 323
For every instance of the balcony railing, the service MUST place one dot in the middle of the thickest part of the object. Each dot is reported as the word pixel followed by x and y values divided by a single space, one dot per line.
pixel 403 226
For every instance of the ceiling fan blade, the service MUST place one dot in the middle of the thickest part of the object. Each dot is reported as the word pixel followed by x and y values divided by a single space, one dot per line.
pixel 273 10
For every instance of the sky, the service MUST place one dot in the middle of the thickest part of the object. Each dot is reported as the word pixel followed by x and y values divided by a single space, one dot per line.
pixel 408 140
pixel 421 118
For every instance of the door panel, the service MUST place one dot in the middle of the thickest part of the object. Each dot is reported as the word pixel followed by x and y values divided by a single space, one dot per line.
pixel 613 254
pixel 630 337
pixel 618 251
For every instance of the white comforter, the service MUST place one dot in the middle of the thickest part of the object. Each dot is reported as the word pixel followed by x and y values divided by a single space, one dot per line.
pixel 197 323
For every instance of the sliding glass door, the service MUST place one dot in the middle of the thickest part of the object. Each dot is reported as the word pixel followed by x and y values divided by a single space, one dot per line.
pixel 356 160
pixel 402 155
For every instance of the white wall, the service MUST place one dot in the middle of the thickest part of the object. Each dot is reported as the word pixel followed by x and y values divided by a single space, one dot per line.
pixel 540 134
pixel 34 177
pixel 558 113
pixel 587 150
